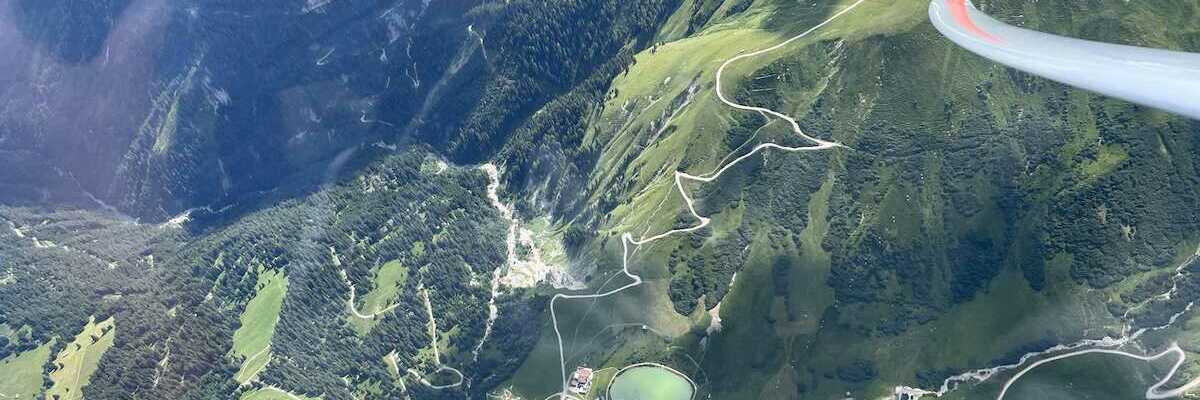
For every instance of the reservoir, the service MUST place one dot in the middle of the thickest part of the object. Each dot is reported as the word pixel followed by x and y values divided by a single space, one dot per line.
pixel 650 382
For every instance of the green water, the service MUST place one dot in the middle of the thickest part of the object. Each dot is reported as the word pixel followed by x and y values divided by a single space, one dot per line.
pixel 649 382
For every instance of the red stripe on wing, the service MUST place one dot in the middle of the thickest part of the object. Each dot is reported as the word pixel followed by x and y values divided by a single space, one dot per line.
pixel 958 10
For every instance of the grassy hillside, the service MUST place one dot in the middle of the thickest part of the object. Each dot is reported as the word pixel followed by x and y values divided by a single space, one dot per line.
pixel 252 340
pixel 387 280
pixel 76 363
pixel 975 214
pixel 21 373
pixel 271 394
pixel 982 213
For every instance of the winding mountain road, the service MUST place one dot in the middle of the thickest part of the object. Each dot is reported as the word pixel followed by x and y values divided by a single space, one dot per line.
pixel 1105 345
pixel 1152 393
pixel 1153 77
pixel 433 343
pixel 350 304
pixel 679 177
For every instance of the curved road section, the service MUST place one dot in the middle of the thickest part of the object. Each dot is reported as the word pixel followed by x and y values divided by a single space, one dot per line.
pixel 1163 79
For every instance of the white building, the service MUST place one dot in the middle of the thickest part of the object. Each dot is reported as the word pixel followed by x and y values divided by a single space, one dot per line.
pixel 581 381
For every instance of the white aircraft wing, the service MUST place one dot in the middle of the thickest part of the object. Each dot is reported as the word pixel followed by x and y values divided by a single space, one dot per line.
pixel 1169 80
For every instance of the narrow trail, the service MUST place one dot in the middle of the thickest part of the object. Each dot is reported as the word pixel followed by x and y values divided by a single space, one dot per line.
pixel 431 328
pixel 437 356
pixel 283 392
pixel 1152 393
pixel 627 239
pixel 1106 345
pixel 250 376
pixel 350 304
pixel 493 313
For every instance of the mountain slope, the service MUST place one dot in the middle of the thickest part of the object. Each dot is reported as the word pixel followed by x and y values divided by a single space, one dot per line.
pixel 978 214
pixel 283 199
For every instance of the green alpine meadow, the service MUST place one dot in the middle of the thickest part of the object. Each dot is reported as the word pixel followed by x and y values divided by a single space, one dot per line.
pixel 595 200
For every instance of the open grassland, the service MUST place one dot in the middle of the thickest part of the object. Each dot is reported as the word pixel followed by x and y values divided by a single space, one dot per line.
pixel 252 341
pixel 270 393
pixel 21 374
pixel 665 116
pixel 76 363
pixel 387 281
